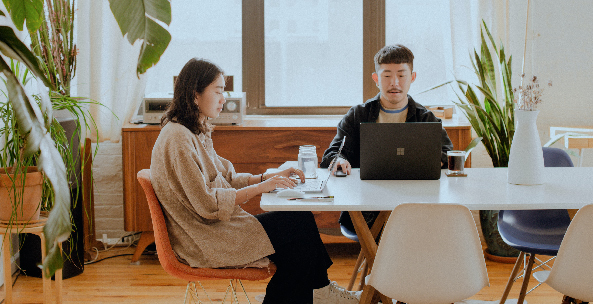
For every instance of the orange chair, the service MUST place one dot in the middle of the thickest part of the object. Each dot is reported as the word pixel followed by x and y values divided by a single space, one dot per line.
pixel 177 269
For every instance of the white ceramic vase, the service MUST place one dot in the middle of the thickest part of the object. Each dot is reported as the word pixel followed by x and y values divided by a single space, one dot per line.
pixel 526 159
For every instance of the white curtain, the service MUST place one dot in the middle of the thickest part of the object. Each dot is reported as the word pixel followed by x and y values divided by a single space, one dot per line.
pixel 106 69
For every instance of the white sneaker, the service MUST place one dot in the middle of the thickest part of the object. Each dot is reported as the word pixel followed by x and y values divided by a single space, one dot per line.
pixel 334 294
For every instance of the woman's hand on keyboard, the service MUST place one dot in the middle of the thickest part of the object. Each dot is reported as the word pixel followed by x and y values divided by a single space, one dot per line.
pixel 282 179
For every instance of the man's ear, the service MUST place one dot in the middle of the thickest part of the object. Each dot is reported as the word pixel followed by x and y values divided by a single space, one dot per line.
pixel 375 78
pixel 413 76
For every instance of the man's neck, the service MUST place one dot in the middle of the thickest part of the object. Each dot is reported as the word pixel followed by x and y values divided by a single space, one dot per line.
pixel 389 106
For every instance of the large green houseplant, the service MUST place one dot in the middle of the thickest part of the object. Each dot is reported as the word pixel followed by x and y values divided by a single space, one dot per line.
pixel 489 107
pixel 135 18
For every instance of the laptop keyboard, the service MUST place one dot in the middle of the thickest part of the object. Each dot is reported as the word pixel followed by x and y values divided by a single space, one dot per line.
pixel 313 185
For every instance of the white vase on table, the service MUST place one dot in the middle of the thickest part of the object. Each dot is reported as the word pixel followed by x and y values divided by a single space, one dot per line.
pixel 526 159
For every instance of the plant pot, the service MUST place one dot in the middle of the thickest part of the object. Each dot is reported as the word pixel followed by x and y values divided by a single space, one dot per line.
pixel 526 159
pixel 30 191
pixel 73 247
pixel 495 245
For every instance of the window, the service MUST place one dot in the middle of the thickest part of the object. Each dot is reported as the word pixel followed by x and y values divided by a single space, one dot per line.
pixel 425 28
pixel 313 53
pixel 203 29
pixel 310 56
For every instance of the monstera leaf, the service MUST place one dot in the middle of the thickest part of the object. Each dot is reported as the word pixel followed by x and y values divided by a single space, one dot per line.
pixel 136 19
pixel 30 119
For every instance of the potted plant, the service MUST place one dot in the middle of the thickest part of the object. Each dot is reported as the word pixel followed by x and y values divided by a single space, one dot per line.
pixel 33 116
pixel 488 106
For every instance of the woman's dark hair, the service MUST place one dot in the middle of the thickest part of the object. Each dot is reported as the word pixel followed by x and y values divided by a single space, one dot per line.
pixel 196 75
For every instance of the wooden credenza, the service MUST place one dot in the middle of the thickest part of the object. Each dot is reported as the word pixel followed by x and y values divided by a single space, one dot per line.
pixel 258 144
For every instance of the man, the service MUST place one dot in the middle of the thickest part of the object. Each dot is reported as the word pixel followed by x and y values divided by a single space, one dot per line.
pixel 393 75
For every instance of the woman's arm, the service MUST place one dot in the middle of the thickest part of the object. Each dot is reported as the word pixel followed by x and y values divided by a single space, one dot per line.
pixel 267 182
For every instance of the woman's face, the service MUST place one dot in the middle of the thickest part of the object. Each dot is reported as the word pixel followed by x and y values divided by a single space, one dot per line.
pixel 212 99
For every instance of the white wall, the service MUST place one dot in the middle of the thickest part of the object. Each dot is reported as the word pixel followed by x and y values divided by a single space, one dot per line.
pixel 559 48
pixel 108 190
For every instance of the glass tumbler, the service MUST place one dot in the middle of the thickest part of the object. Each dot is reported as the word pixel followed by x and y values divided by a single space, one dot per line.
pixel 456 160
pixel 308 160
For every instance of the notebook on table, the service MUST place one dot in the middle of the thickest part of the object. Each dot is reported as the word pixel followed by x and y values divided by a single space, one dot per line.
pixel 400 151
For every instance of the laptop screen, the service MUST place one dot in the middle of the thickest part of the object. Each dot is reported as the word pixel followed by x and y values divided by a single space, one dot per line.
pixel 406 151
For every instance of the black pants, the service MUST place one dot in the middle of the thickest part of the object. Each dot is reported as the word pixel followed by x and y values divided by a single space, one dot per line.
pixel 301 258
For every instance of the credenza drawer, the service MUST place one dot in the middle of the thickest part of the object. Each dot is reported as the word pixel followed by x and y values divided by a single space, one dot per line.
pixel 262 146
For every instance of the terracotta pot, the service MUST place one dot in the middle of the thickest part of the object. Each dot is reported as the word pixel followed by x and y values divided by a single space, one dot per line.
pixel 31 196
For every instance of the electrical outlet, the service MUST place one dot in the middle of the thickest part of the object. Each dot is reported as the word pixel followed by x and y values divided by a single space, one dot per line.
pixel 128 239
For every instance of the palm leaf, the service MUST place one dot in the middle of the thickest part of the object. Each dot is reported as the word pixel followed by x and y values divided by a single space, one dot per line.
pixel 135 19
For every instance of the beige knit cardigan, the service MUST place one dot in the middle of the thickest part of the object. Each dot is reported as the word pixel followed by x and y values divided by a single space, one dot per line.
pixel 197 189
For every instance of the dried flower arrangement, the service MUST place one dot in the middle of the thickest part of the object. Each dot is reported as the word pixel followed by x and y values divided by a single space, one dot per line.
pixel 527 97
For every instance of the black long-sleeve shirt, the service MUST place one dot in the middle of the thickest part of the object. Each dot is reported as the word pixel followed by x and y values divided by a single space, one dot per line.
pixel 349 126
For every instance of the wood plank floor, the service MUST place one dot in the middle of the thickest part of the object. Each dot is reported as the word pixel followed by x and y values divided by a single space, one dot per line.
pixel 115 280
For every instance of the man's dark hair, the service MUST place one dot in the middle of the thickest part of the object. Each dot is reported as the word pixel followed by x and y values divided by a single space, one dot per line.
pixel 396 53
pixel 194 78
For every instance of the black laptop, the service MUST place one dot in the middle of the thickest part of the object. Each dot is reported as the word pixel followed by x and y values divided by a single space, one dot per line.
pixel 404 151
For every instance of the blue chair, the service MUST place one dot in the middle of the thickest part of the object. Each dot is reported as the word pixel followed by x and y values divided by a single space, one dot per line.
pixel 534 232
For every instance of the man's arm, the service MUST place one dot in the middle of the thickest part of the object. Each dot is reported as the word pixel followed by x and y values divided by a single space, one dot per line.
pixel 346 127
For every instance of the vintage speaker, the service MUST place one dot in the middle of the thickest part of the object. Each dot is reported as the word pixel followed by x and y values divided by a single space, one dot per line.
pixel 73 248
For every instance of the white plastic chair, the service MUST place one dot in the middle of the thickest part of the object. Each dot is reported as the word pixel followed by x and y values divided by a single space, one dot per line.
pixel 572 273
pixel 574 138
pixel 428 254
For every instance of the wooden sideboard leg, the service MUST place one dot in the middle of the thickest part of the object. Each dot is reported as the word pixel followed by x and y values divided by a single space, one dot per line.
pixel 146 238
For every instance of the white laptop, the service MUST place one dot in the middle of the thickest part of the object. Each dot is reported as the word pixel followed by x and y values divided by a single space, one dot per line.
pixel 317 185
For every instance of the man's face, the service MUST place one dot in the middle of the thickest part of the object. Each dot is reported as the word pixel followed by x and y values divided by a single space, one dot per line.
pixel 394 80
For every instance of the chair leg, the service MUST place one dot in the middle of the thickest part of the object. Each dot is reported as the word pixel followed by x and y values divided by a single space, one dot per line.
pixel 355 272
pixel 526 279
pixel 232 289
pixel 192 295
pixel 507 289
pixel 363 274
pixel 367 294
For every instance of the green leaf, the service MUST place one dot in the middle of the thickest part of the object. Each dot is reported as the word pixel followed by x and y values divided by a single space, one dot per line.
pixel 153 47
pixel 30 11
pixel 30 121
pixel 472 145
pixel 135 19
pixel 11 46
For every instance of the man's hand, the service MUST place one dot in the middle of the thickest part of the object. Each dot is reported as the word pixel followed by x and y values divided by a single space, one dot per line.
pixel 342 164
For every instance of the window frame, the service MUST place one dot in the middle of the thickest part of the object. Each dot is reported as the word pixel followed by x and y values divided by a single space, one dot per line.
pixel 253 42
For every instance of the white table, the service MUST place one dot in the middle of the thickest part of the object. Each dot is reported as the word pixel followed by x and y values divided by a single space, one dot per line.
pixel 482 189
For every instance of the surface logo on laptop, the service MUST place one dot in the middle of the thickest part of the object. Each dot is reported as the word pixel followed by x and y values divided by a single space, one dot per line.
pixel 400 151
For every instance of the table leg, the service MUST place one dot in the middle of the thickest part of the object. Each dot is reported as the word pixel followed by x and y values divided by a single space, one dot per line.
pixel 146 238
pixel 366 236
pixel 7 268
pixel 46 281
pixel 58 281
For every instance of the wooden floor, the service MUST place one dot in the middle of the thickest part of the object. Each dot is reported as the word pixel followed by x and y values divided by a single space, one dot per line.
pixel 115 280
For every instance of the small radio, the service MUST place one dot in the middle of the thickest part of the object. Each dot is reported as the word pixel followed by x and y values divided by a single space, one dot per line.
pixel 233 110
pixel 154 107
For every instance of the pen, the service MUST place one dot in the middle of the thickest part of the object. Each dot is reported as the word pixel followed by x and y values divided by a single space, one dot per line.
pixel 311 198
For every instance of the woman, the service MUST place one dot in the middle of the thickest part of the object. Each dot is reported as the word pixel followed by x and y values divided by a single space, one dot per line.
pixel 201 195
